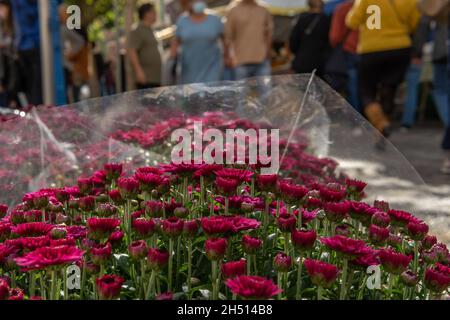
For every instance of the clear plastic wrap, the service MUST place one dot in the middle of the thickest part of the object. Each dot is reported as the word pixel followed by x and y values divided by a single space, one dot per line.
pixel 51 147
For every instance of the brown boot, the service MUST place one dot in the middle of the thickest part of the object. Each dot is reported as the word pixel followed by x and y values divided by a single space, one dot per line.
pixel 375 114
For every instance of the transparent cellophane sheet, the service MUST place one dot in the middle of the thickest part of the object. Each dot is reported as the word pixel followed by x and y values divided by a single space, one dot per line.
pixel 52 147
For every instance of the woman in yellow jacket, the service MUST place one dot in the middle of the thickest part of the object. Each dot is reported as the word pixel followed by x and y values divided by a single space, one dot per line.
pixel 384 47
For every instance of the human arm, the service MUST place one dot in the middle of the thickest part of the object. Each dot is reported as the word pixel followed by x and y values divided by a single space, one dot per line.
pixel 356 15
pixel 134 43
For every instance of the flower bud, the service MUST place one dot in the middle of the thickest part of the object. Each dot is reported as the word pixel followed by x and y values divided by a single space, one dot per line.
pixel 138 250
pixel 282 262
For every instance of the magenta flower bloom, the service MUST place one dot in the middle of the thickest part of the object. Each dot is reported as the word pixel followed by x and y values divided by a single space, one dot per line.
pixel 100 254
pixel 394 262
pixel 138 250
pixel 378 235
pixel 113 171
pixel 267 182
pixel 333 192
pixel 172 227
pixel 109 286
pixel 252 287
pixel 190 228
pixel 355 185
pixel 101 228
pixel 400 218
pixel 4 290
pixel 3 210
pixel 215 248
pixel 33 229
pixel 251 245
pixel 367 260
pixel 47 257
pixel 234 268
pixel 157 258
pixel 165 296
pixel 303 240
pixel 286 222
pixel 226 186
pixel 437 278
pixel 322 274
pixel 381 219
pixel 235 174
pixel 417 229
pixel 150 181
pixel 154 208
pixel 216 225
pixel 336 211
pixel 144 227
pixel 348 247
pixel 242 224
pixel 128 187
pixel 290 192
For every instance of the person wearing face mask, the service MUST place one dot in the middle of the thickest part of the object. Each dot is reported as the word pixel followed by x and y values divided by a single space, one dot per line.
pixel 144 50
pixel 197 43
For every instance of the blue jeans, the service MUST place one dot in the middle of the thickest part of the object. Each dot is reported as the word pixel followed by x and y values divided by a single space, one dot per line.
pixel 244 71
pixel 412 83
pixel 440 93
pixel 352 85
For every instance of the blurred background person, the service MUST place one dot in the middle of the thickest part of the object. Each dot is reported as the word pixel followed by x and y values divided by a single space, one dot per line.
pixel 198 37
pixel 76 57
pixel 431 33
pixel 345 40
pixel 27 43
pixel 385 53
pixel 8 63
pixel 144 50
pixel 248 37
pixel 309 40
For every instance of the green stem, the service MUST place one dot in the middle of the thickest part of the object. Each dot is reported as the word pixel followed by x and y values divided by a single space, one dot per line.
pixel 280 283
pixel 202 190
pixel 390 286
pixel 252 187
pixel 362 286
pixel 344 280
pixel 32 284
pixel 66 288
pixel 43 293
pixel 416 256
pixel 170 276
pixel 54 284
pixel 227 204
pixel 189 276
pixel 151 286
pixel 83 280
pixel 214 271
pixel 298 295
pixel 319 293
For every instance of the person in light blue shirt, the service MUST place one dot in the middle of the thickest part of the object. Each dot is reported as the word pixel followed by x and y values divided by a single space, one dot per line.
pixel 198 44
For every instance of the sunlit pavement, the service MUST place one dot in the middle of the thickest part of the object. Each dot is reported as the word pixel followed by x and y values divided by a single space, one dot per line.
pixel 421 147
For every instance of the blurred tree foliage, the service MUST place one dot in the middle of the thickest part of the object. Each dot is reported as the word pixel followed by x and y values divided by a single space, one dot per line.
pixel 99 15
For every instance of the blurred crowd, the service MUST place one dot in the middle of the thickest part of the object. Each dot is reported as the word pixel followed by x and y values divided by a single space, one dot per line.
pixel 364 57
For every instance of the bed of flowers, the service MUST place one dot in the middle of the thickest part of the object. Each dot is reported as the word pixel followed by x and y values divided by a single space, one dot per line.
pixel 202 231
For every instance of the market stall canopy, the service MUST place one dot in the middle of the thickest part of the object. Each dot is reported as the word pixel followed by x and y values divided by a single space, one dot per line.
pixel 293 7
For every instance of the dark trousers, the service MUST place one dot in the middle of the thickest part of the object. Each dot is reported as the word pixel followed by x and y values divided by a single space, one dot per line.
pixel 446 142
pixel 140 86
pixel 30 66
